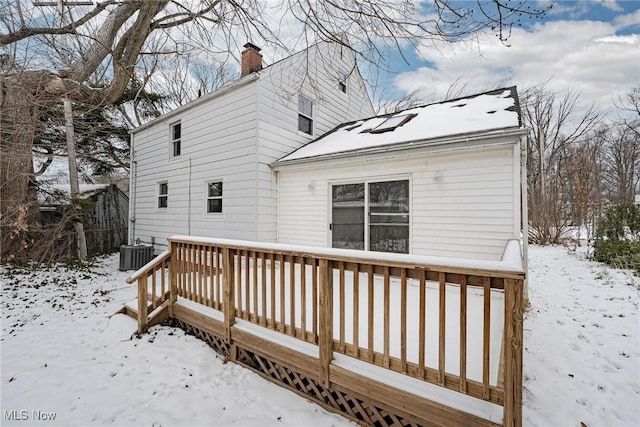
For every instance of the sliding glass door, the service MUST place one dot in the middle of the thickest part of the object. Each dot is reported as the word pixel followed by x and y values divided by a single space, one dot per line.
pixel 371 215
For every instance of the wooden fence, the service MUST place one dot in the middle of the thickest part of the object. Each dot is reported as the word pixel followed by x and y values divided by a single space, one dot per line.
pixel 406 314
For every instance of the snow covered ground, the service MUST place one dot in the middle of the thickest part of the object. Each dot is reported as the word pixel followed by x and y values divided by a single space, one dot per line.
pixel 63 356
pixel 582 343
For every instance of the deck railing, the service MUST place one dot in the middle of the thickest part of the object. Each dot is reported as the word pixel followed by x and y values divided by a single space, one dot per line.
pixel 428 318
pixel 153 287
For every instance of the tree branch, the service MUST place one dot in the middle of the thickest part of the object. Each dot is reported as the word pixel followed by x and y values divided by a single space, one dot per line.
pixel 26 32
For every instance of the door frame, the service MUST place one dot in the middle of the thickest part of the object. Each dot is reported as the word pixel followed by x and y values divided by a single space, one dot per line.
pixel 366 181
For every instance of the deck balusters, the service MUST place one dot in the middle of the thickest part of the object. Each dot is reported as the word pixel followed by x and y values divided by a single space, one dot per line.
pixel 388 299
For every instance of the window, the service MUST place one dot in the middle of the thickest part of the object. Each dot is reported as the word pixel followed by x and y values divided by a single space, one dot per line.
pixel 305 115
pixel 342 85
pixel 176 135
pixel 392 123
pixel 163 195
pixel 386 226
pixel 214 197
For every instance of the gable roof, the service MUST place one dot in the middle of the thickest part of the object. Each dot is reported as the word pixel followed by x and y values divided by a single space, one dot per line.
pixel 59 194
pixel 490 111
pixel 229 87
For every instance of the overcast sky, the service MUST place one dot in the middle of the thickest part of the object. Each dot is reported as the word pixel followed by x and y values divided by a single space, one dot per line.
pixel 592 46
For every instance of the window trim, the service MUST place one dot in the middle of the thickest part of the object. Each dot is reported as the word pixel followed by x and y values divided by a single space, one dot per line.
pixel 367 223
pixel 173 141
pixel 207 197
pixel 304 115
pixel 160 195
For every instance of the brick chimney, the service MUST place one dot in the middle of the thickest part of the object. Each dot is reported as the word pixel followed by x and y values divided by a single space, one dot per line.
pixel 251 59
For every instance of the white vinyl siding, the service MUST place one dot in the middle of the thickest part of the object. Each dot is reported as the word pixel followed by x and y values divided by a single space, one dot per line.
pixel 280 86
pixel 235 136
pixel 471 212
pixel 221 140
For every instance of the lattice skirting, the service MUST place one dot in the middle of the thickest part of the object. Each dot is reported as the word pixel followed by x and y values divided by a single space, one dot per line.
pixel 353 407
pixel 216 343
pixel 342 402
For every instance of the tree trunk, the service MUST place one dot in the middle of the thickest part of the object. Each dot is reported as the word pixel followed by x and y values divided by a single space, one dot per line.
pixel 18 201
pixel 74 184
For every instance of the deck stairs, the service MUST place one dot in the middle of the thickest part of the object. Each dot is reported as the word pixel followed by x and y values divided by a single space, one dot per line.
pixel 156 315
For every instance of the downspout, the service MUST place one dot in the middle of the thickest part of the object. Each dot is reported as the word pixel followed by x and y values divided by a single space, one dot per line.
pixel 133 169
pixel 277 206
pixel 525 216
pixel 189 203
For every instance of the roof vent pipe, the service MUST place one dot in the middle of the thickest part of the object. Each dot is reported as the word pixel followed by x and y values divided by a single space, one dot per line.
pixel 251 59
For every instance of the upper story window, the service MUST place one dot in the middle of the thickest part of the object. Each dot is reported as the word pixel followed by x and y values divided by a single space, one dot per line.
pixel 176 138
pixel 163 195
pixel 342 85
pixel 214 197
pixel 305 115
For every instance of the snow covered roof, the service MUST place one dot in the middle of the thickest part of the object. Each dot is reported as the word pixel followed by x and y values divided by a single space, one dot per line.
pixel 490 111
pixel 55 194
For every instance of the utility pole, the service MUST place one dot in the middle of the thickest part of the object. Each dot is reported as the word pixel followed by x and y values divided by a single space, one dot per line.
pixel 70 132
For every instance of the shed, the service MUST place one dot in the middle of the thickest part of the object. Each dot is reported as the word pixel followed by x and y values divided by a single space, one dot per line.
pixel 105 218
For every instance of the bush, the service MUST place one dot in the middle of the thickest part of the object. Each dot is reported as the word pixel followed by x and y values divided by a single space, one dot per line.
pixel 617 241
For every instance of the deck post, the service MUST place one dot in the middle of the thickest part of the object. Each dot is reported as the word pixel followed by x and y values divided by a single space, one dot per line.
pixel 173 276
pixel 142 304
pixel 325 333
pixel 228 307
pixel 513 305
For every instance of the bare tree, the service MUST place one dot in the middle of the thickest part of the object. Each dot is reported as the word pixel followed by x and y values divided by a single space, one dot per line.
pixel 585 187
pixel 555 126
pixel 114 34
pixel 622 159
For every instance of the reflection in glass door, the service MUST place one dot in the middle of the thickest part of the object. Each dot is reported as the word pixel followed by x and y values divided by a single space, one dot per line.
pixel 347 213
pixel 389 216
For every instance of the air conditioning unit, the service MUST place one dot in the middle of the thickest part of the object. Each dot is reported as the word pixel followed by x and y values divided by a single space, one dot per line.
pixel 135 257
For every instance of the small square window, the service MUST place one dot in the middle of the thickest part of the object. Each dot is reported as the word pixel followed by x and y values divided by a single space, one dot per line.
pixel 214 197
pixel 305 115
pixel 342 85
pixel 163 195
pixel 176 138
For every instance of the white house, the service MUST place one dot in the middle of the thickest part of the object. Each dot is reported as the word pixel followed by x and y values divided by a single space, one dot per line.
pixel 284 155
pixel 205 168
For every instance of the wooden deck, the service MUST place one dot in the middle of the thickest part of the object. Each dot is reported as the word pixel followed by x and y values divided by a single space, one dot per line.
pixel 382 339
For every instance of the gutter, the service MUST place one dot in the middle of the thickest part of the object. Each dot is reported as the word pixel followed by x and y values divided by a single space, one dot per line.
pixel 432 144
pixel 205 98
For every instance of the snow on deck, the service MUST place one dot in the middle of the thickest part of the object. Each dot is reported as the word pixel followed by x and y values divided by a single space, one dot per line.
pixel 435 393
pixel 511 261
pixel 485 112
